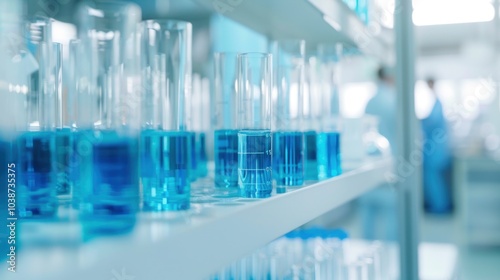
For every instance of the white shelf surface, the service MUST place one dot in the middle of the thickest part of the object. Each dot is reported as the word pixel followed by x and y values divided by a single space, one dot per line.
pixel 196 243
pixel 316 21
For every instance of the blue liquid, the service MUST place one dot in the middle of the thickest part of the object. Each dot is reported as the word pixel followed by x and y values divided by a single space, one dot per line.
pixel 108 181
pixel 328 155
pixel 164 170
pixel 37 177
pixel 193 161
pixel 64 161
pixel 201 155
pixel 226 158
pixel 311 162
pixel 288 158
pixel 255 163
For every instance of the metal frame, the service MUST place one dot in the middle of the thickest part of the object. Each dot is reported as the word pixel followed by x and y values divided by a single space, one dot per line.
pixel 409 183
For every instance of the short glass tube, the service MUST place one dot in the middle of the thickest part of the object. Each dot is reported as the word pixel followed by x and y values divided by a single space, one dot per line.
pixel 108 116
pixel 254 123
pixel 288 135
pixel 224 119
pixel 166 144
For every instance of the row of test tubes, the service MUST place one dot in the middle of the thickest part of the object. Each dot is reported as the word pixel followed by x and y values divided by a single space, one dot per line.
pixel 121 138
pixel 313 254
pixel 275 117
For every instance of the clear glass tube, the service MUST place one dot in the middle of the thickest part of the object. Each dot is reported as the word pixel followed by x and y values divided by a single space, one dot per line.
pixel 254 122
pixel 166 144
pixel 312 116
pixel 199 101
pixel 224 119
pixel 63 134
pixel 328 139
pixel 36 147
pixel 108 116
pixel 288 136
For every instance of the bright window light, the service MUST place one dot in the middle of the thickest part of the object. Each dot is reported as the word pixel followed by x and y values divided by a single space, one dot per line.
pixel 354 97
pixel 439 12
pixel 424 100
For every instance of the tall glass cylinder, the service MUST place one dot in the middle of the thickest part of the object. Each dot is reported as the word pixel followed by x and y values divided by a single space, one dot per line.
pixel 108 116
pixel 64 136
pixel 288 136
pixel 199 101
pixel 328 141
pixel 77 95
pixel 312 116
pixel 224 119
pixel 165 139
pixel 254 122
pixel 36 147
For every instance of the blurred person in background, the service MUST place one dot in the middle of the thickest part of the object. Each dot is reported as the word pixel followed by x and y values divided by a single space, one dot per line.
pixel 383 105
pixel 379 207
pixel 437 159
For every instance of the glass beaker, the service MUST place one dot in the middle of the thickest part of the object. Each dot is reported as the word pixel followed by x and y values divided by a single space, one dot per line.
pixel 328 138
pixel 254 123
pixel 224 119
pixel 108 116
pixel 288 136
pixel 36 146
pixel 166 144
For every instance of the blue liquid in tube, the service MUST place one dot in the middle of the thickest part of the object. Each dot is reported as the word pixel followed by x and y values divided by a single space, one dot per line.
pixel 311 161
pixel 164 170
pixel 108 182
pixel 202 169
pixel 36 181
pixel 288 158
pixel 193 160
pixel 255 163
pixel 226 158
pixel 64 161
pixel 328 155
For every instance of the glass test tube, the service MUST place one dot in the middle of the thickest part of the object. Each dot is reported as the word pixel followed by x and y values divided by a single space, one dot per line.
pixel 288 136
pixel 36 146
pixel 165 140
pixel 224 119
pixel 107 122
pixel 328 139
pixel 254 122
pixel 63 134
pixel 312 117
pixel 198 102
pixel 76 96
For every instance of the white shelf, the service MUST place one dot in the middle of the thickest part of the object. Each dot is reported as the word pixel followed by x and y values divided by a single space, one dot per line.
pixel 316 21
pixel 195 243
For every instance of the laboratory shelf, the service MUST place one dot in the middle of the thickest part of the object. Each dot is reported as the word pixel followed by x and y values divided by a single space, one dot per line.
pixel 316 21
pixel 219 229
